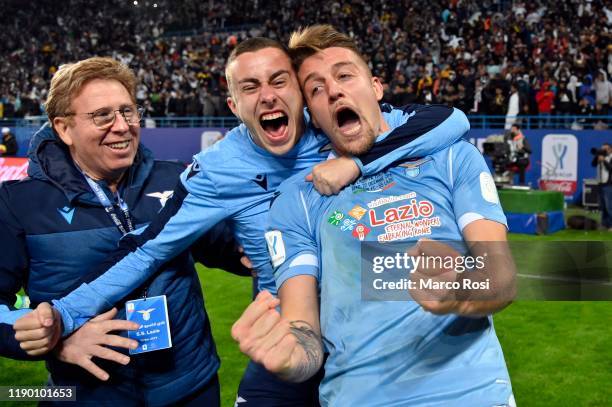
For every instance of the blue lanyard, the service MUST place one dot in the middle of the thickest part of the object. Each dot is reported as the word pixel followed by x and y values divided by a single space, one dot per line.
pixel 109 207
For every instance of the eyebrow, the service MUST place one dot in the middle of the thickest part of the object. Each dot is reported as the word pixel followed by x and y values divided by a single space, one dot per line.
pixel 335 67
pixel 121 106
pixel 278 73
pixel 342 64
pixel 271 78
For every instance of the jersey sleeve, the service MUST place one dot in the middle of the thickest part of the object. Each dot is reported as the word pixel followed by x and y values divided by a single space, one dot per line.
pixel 291 237
pixel 474 192
pixel 428 129
pixel 193 209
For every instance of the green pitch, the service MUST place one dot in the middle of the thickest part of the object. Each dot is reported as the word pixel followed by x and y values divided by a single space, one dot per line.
pixel 558 353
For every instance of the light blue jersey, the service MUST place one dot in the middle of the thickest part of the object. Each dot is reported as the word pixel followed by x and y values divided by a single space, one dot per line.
pixel 236 180
pixel 393 353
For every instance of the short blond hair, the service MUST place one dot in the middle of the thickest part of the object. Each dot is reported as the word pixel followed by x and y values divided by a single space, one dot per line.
pixel 250 45
pixel 307 41
pixel 70 79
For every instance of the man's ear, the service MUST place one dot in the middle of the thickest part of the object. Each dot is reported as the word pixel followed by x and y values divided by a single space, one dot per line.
pixel 61 127
pixel 378 88
pixel 232 105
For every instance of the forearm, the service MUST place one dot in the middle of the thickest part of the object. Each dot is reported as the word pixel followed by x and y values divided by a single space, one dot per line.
pixel 300 305
pixel 308 353
pixel 492 285
pixel 476 304
pixel 491 288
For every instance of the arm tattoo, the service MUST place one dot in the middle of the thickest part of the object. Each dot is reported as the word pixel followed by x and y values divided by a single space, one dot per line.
pixel 313 350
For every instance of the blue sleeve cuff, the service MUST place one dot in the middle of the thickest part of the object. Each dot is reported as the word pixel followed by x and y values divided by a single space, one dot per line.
pixel 9 317
pixel 80 306
pixel 305 270
pixel 470 217
pixel 360 166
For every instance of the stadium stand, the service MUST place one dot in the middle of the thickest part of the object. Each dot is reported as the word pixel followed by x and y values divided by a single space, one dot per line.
pixel 558 55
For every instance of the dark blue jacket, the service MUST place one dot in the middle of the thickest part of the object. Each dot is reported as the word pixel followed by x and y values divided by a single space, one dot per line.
pixel 53 232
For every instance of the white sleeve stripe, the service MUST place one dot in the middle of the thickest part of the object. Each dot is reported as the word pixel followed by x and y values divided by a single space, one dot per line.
pixel 468 218
pixel 450 166
pixel 305 210
pixel 305 260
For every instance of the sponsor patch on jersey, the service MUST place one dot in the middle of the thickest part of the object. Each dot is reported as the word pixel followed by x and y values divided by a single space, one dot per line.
pixel 390 199
pixel 411 220
pixel 375 183
pixel 335 218
pixel 348 224
pixel 412 168
pixel 357 212
pixel 487 188
pixel 361 231
pixel 412 210
pixel 409 229
pixel 276 247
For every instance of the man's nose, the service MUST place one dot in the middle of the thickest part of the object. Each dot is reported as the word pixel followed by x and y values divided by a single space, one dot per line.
pixel 120 124
pixel 334 90
pixel 268 95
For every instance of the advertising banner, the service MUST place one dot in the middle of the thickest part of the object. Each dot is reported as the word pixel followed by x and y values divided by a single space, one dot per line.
pixel 560 158
pixel 559 163
pixel 13 168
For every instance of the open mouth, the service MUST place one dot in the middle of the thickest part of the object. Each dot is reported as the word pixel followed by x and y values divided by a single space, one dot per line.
pixel 348 121
pixel 274 124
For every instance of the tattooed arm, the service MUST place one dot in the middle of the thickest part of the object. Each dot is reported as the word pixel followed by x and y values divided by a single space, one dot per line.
pixel 287 344
pixel 300 305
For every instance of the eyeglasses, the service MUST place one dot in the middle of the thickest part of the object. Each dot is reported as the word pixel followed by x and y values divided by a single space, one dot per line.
pixel 105 117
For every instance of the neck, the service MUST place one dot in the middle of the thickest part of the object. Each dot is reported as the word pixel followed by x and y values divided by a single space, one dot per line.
pixel 112 181
pixel 384 126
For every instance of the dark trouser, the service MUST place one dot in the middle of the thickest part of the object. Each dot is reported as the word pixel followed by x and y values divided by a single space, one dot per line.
pixel 260 388
pixel 119 396
pixel 209 395
pixel 522 165
pixel 605 204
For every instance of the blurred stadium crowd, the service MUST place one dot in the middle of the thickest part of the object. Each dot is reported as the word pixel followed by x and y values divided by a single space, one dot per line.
pixel 484 57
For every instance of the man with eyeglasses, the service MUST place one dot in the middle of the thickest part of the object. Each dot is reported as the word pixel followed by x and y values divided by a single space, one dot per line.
pixel 90 182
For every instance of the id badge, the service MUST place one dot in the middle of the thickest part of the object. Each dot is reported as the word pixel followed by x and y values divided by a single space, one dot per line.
pixel 152 315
